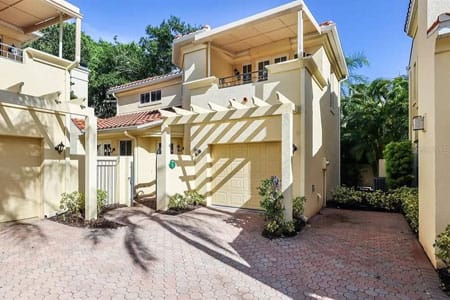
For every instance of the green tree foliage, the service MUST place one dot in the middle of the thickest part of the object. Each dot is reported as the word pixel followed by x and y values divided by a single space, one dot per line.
pixel 157 44
pixel 115 63
pixel 373 115
pixel 399 164
pixel 49 42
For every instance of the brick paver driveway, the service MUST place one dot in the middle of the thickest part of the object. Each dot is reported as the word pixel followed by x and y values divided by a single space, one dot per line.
pixel 210 254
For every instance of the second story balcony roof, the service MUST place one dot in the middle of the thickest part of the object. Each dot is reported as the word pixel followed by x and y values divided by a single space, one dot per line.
pixel 21 18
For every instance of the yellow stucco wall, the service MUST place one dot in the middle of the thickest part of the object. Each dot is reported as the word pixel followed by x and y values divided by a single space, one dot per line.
pixel 129 101
pixel 30 72
pixel 429 90
pixel 57 177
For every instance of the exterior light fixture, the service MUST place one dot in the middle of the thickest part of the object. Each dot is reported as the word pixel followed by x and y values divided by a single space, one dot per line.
pixel 418 123
pixel 60 148
pixel 294 148
pixel 197 151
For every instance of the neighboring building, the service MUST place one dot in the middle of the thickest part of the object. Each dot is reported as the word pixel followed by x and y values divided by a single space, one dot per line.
pixel 428 24
pixel 257 97
pixel 35 113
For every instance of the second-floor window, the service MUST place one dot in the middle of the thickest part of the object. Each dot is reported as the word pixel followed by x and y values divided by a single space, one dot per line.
pixel 153 96
pixel 280 59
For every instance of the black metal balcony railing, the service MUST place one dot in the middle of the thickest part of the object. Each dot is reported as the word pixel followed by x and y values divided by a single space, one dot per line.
pixel 11 52
pixel 244 78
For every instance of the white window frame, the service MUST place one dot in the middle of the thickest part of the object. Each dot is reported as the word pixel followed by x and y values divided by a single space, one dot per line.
pixel 265 71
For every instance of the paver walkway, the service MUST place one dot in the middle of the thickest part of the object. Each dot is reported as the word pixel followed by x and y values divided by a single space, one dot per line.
pixel 216 255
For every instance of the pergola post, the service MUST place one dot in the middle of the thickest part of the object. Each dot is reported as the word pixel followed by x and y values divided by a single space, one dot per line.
pixel 287 178
pixel 90 170
pixel 78 39
pixel 61 34
pixel 300 33
pixel 162 180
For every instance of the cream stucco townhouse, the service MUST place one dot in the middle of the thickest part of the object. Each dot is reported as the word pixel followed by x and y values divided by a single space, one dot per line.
pixel 428 24
pixel 255 98
pixel 36 161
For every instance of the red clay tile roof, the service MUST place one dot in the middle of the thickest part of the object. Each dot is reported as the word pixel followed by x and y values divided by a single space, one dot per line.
pixel 123 121
pixel 132 84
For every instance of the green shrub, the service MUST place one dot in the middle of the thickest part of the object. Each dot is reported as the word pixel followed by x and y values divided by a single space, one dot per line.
pixel 272 229
pixel 442 245
pixel 194 198
pixel 348 196
pixel 409 199
pixel 72 203
pixel 298 207
pixel 399 164
pixel 272 200
pixel 101 199
pixel 289 228
pixel 177 202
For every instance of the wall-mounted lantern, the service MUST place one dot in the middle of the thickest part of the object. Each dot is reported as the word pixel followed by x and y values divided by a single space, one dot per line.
pixel 418 123
pixel 197 151
pixel 60 148
pixel 294 148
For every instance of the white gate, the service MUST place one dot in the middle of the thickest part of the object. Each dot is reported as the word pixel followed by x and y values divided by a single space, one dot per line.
pixel 107 168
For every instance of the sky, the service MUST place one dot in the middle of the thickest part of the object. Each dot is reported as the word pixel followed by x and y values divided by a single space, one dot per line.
pixel 373 27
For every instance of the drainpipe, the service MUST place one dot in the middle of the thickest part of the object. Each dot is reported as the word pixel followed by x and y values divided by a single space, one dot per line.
pixel 135 173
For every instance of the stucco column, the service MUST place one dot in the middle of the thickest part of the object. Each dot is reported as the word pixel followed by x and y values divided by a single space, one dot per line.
pixel 78 39
pixel 90 167
pixel 162 180
pixel 300 47
pixel 287 140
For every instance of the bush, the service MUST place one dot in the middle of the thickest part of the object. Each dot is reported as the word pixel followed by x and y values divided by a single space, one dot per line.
pixel 72 203
pixel 101 199
pixel 298 207
pixel 399 164
pixel 409 200
pixel 177 202
pixel 348 196
pixel 442 245
pixel 182 202
pixel 272 200
pixel 194 198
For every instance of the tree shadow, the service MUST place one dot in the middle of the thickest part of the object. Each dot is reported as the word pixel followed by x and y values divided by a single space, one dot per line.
pixel 136 248
pixel 21 232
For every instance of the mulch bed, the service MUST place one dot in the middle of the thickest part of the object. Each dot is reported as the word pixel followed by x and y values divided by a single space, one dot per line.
pixel 444 275
pixel 174 212
pixel 77 220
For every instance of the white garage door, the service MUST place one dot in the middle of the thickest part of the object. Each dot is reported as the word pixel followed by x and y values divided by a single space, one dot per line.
pixel 20 165
pixel 238 169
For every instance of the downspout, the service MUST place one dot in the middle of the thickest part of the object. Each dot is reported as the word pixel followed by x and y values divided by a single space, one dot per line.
pixel 135 173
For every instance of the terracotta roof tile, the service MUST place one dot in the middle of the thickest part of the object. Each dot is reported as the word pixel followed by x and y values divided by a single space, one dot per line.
pixel 144 81
pixel 123 121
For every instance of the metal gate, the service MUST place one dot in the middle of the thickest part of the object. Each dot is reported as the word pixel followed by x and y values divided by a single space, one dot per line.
pixel 107 177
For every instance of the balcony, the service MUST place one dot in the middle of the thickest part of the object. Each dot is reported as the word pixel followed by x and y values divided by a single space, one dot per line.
pixel 245 78
pixel 11 52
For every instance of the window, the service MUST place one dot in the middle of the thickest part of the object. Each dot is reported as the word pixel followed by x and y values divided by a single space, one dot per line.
pixel 280 59
pixel 125 148
pixel 262 71
pixel 247 73
pixel 104 149
pixel 156 95
pixel 153 96
pixel 145 98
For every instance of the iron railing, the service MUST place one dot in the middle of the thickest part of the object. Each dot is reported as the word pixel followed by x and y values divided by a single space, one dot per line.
pixel 244 78
pixel 11 52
